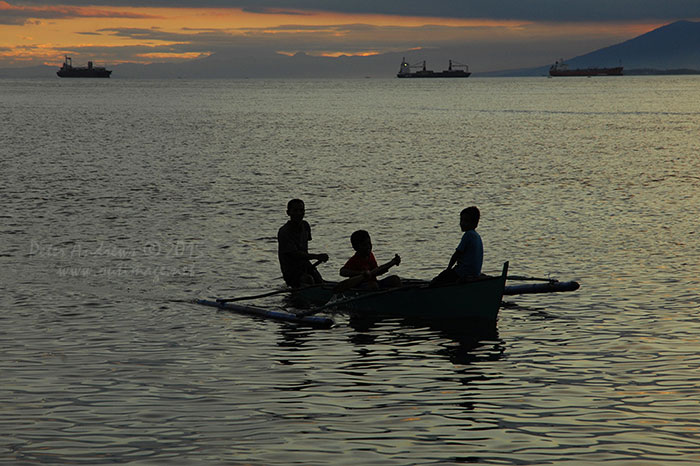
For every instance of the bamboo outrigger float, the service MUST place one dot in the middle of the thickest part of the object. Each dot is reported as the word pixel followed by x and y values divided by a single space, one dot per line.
pixel 312 321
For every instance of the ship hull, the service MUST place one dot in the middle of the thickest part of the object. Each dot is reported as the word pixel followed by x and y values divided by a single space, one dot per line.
pixel 432 74
pixel 617 71
pixel 76 73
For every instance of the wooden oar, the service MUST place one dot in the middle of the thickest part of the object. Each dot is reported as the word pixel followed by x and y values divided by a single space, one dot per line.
pixel 352 282
pixel 348 283
pixel 264 295
pixel 342 302
pixel 314 265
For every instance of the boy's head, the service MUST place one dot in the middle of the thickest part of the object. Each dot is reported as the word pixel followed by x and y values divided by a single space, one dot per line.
pixel 469 218
pixel 361 242
pixel 296 210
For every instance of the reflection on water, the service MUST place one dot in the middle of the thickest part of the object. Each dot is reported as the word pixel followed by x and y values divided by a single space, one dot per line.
pixel 117 217
pixel 465 342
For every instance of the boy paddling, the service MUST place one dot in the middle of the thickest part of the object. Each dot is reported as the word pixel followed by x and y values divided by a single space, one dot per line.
pixel 293 248
pixel 363 265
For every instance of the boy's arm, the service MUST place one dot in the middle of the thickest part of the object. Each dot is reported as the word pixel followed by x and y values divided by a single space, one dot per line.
pixel 323 257
pixel 461 247
pixel 384 268
pixel 289 247
pixel 453 259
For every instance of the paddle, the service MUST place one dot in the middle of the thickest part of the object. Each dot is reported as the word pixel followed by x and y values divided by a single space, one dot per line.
pixel 264 295
pixel 271 293
pixel 343 302
pixel 348 283
pixel 352 282
pixel 314 265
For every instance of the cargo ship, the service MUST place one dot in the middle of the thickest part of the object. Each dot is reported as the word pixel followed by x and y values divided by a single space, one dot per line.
pixel 462 71
pixel 90 71
pixel 559 68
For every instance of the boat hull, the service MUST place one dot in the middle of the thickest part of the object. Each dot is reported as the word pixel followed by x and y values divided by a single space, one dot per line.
pixel 479 299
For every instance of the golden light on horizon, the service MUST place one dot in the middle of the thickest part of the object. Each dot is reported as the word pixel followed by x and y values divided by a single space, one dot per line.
pixel 147 34
pixel 118 27
pixel 357 54
pixel 332 54
pixel 179 55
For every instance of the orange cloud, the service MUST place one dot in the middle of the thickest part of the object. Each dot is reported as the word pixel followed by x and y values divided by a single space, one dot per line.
pixel 179 56
pixel 145 34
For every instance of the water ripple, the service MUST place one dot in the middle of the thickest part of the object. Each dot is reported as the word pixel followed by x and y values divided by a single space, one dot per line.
pixel 152 201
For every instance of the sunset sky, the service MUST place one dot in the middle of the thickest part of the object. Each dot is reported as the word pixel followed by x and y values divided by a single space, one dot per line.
pixel 34 32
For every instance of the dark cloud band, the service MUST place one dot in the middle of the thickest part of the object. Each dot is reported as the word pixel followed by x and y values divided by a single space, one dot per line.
pixel 531 10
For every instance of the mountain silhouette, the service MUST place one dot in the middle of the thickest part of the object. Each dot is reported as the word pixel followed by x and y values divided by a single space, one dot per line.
pixel 674 46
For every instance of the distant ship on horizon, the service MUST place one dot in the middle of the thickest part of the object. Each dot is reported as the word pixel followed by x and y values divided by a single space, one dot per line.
pixel 405 71
pixel 90 71
pixel 559 68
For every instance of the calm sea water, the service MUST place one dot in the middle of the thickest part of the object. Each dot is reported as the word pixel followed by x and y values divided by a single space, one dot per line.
pixel 125 200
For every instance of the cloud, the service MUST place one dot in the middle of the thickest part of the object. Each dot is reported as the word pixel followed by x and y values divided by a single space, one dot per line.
pixel 529 10
pixel 484 33
pixel 20 15
pixel 514 44
pixel 274 11
pixel 313 39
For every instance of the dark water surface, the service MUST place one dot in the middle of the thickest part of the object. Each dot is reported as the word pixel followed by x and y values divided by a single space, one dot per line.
pixel 125 200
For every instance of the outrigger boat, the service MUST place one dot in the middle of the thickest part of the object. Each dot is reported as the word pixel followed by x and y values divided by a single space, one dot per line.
pixel 478 300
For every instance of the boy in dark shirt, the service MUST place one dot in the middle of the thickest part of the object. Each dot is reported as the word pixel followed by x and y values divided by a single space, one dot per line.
pixel 293 249
pixel 467 259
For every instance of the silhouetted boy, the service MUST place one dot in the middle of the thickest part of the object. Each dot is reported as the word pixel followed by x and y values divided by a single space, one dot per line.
pixel 363 263
pixel 293 248
pixel 467 259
